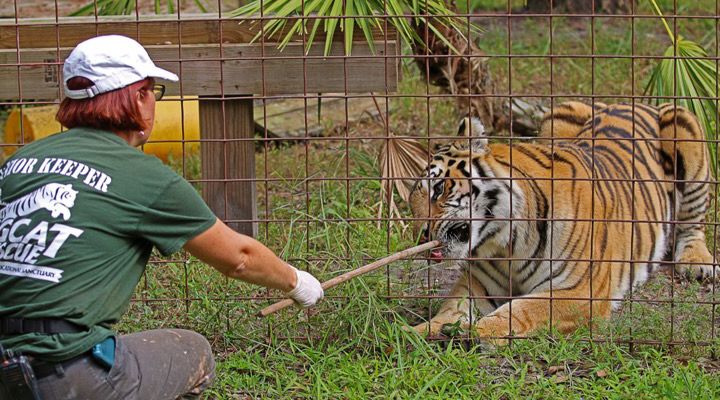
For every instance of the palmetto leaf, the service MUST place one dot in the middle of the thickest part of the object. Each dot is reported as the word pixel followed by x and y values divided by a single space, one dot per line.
pixel 400 159
pixel 691 76
pixel 280 19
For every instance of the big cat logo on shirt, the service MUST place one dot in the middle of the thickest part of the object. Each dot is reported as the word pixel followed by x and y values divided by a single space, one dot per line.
pixel 22 244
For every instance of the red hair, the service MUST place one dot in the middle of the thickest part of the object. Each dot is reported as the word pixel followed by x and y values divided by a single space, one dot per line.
pixel 116 110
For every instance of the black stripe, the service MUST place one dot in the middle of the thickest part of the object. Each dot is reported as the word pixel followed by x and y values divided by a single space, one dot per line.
pixel 693 199
pixel 541 211
pixel 561 269
pixel 480 170
pixel 497 268
pixel 680 120
pixel 697 187
pixel 636 120
pixel 529 154
pixel 483 240
pixel 492 196
pixel 481 268
pixel 568 118
pixel 680 171
pixel 694 212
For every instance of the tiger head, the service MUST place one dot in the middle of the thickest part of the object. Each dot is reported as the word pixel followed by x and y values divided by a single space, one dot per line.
pixel 459 200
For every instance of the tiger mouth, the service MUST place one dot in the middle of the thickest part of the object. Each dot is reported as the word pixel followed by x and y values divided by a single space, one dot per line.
pixel 437 255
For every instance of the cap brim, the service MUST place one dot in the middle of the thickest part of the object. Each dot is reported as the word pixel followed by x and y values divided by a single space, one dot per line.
pixel 163 74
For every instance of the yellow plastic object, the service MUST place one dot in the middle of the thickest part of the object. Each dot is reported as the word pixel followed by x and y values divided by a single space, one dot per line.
pixel 37 122
pixel 166 138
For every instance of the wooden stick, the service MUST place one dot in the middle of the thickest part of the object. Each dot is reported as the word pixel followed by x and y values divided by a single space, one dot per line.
pixel 356 272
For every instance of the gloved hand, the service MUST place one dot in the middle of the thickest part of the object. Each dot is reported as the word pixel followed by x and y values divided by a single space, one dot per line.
pixel 307 290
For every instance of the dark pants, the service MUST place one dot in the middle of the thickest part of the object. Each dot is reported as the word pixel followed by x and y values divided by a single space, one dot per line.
pixel 152 365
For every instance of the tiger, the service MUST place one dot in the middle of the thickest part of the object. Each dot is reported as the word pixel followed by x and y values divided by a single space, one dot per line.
pixel 54 197
pixel 564 229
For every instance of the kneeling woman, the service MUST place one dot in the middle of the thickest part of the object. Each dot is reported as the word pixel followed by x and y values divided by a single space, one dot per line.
pixel 83 210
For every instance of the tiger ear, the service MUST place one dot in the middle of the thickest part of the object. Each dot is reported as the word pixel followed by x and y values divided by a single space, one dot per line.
pixel 472 127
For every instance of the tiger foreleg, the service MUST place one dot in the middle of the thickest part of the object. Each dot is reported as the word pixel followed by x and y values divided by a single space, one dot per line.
pixel 459 307
pixel 523 316
pixel 692 256
pixel 690 172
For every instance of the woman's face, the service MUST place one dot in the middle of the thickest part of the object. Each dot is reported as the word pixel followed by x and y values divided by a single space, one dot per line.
pixel 146 104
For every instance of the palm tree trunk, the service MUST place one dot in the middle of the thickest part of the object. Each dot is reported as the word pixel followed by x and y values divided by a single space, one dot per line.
pixel 469 77
pixel 463 76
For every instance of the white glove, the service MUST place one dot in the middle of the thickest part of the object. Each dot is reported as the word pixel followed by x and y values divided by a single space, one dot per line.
pixel 307 290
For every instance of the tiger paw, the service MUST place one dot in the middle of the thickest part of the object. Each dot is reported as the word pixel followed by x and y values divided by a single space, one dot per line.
pixel 701 272
pixel 429 328
pixel 698 264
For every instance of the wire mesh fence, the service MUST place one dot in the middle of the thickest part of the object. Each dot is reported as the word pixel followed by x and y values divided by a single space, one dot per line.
pixel 314 150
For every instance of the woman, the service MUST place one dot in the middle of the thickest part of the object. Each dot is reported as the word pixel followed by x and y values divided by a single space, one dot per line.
pixel 83 210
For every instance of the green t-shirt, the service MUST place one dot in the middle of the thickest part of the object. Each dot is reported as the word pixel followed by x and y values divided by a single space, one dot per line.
pixel 83 210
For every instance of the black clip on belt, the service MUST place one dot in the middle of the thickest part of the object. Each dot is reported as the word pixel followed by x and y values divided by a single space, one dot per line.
pixel 46 368
pixel 19 326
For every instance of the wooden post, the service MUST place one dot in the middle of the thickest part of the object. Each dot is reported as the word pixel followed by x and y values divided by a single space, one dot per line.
pixel 224 157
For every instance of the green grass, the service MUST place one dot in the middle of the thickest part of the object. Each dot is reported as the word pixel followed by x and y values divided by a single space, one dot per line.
pixel 615 78
pixel 402 367
pixel 352 346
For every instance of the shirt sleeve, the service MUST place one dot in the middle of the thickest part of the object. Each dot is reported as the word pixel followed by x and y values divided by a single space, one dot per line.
pixel 176 216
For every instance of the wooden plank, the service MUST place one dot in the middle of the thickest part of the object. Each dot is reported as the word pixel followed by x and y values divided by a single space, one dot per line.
pixel 240 69
pixel 224 157
pixel 148 30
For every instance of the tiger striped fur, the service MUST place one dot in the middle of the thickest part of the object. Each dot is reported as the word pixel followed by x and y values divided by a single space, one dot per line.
pixel 573 203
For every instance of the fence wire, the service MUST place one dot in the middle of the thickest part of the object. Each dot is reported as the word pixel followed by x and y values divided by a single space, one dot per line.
pixel 299 167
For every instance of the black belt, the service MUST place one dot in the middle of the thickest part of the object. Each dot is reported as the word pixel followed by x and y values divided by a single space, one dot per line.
pixel 19 326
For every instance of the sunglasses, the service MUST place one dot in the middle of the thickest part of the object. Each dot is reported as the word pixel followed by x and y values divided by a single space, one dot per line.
pixel 159 91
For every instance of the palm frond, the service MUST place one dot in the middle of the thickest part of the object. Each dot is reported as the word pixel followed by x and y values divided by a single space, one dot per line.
pixel 688 77
pixel 290 18
pixel 400 159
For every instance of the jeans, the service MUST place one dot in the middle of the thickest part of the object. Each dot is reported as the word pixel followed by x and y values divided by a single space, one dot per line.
pixel 152 365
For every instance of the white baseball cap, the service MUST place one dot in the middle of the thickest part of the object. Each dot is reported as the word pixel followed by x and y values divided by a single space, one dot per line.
pixel 111 62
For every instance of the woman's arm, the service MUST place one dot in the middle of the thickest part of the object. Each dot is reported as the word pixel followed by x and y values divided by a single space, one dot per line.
pixel 242 257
